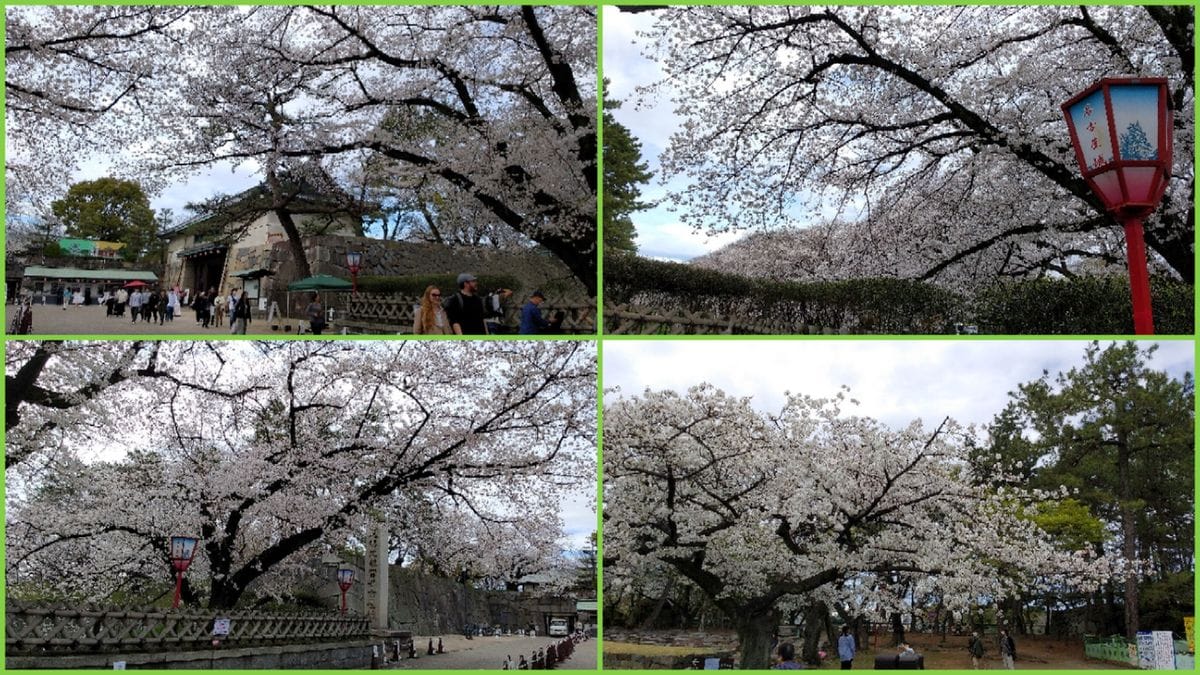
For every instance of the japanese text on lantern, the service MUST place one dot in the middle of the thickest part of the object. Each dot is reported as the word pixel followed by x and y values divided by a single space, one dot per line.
pixel 1096 139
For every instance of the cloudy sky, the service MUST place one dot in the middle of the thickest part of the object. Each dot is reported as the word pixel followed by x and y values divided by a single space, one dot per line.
pixel 652 120
pixel 895 381
pixel 223 178
pixel 659 232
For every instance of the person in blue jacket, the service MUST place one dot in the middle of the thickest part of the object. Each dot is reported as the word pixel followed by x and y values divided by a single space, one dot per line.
pixel 532 321
pixel 846 648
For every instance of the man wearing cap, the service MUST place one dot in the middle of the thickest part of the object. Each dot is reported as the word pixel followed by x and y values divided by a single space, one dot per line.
pixel 464 309
pixel 532 321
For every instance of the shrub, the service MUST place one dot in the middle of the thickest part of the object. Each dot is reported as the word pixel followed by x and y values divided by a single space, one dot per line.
pixel 415 284
pixel 855 305
pixel 1082 305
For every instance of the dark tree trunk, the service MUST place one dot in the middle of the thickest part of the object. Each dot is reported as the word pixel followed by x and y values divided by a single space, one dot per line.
pixel 658 606
pixel 756 632
pixel 815 616
pixel 295 243
pixel 1129 535
pixel 897 628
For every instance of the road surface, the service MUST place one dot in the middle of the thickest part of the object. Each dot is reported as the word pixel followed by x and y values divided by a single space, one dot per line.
pixel 490 652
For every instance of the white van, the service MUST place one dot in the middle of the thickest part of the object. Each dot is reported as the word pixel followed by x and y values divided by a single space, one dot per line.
pixel 558 627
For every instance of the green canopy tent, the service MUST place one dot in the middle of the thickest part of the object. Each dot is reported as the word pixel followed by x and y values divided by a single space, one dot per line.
pixel 318 283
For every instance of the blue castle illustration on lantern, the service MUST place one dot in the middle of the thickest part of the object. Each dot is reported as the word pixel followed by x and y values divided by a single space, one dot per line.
pixel 1135 145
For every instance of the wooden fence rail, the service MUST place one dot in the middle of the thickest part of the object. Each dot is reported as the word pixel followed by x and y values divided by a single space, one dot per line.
pixel 627 319
pixel 394 313
pixel 33 629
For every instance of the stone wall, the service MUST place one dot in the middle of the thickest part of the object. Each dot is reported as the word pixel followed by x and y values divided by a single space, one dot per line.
pixel 719 644
pixel 534 268
pixel 431 605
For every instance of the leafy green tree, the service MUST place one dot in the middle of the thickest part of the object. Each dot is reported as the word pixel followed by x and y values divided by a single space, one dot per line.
pixel 109 209
pixel 1121 435
pixel 624 172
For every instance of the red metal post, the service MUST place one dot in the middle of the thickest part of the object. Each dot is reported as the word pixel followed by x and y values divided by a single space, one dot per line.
pixel 1139 277
pixel 343 602
pixel 178 588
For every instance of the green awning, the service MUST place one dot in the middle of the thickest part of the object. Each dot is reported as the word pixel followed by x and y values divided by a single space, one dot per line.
pixel 96 275
pixel 320 282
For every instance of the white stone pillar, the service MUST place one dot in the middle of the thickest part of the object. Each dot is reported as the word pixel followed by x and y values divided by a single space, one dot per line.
pixel 376 589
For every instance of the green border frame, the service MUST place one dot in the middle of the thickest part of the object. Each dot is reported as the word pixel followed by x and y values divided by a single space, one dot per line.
pixel 599 338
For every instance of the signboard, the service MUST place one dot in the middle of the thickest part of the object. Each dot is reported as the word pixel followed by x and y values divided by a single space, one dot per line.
pixel 1164 650
pixel 220 627
pixel 1145 650
pixel 1189 627
pixel 118 665
pixel 712 664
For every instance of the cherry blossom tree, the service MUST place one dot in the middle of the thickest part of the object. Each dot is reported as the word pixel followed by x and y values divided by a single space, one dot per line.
pixel 770 512
pixel 53 385
pixel 935 130
pixel 277 452
pixel 78 80
pixel 275 88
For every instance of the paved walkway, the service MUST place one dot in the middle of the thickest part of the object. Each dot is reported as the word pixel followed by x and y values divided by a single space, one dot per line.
pixel 91 320
pixel 490 652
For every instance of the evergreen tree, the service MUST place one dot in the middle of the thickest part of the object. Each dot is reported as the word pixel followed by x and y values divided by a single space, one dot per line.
pixel 1120 434
pixel 624 172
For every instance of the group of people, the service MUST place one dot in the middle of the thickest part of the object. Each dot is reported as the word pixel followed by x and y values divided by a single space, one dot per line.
pixel 165 305
pixel 1008 649
pixel 545 659
pixel 905 653
pixel 469 312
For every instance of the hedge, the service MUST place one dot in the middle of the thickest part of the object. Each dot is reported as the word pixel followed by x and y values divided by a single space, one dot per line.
pixel 1083 305
pixel 1078 306
pixel 853 306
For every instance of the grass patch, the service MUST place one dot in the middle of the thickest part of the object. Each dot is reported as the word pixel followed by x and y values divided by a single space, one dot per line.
pixel 635 649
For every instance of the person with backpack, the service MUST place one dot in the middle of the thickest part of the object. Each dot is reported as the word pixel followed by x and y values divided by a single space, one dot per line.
pixel 1008 649
pixel 465 308
pixel 976 649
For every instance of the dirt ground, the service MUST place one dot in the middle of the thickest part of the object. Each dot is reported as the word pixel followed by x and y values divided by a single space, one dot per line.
pixel 1034 652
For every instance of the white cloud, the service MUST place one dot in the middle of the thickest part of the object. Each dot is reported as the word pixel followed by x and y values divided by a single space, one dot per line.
pixel 894 381
pixel 678 242
pixel 220 179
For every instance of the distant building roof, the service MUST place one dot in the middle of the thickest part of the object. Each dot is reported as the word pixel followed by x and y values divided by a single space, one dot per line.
pixel 99 275
pixel 305 196
pixel 202 249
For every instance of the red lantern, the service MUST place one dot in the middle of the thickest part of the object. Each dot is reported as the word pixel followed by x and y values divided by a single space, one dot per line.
pixel 183 551
pixel 354 263
pixel 1121 129
pixel 345 578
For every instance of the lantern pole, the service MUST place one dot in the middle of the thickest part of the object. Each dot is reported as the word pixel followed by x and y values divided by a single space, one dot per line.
pixel 354 262
pixel 1139 276
pixel 1124 153
pixel 183 550
pixel 345 578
